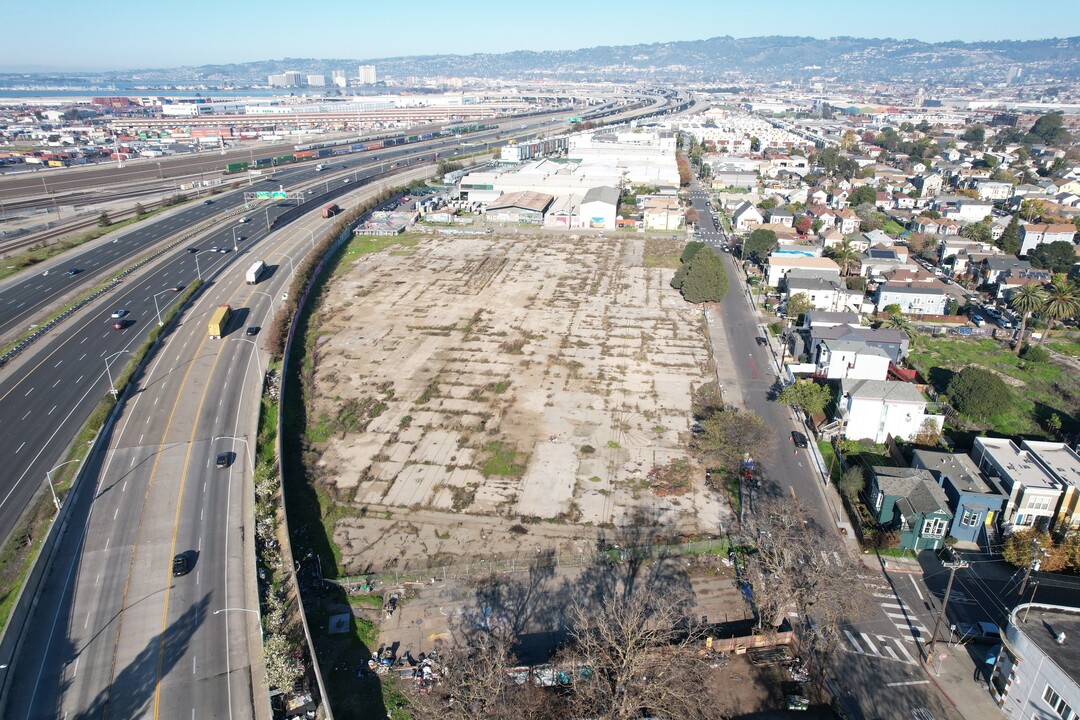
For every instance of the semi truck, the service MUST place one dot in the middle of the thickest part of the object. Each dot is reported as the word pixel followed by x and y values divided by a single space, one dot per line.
pixel 218 321
pixel 255 271
pixel 330 210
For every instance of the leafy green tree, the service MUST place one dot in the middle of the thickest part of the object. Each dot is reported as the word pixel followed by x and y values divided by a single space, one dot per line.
pixel 809 397
pixel 892 310
pixel 979 393
pixel 798 305
pixel 896 321
pixel 1062 301
pixel 856 283
pixel 1050 129
pixel 104 220
pixel 706 278
pixel 974 134
pixel 1009 241
pixel 692 248
pixel 862 195
pixel 730 436
pixel 759 244
pixel 979 232
pixel 852 482
pixel 1057 257
pixel 768 203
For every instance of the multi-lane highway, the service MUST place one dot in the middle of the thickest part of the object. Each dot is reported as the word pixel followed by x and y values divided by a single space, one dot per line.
pixel 120 635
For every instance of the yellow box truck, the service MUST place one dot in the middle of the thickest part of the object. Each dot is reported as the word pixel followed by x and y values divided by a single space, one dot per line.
pixel 218 321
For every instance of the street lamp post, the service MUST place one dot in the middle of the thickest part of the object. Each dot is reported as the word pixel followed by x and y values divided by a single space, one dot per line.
pixel 157 308
pixel 198 269
pixel 52 488
pixel 108 371
pixel 272 308
pixel 312 233
pixel 234 239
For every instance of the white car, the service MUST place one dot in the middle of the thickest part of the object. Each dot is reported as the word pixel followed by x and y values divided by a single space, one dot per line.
pixel 245 219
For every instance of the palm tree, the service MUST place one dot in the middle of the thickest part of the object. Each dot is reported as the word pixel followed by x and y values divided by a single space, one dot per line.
pixel 845 256
pixel 1025 300
pixel 1062 301
pixel 901 323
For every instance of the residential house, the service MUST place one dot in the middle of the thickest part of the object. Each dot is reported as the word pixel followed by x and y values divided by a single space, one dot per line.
pixel 825 294
pixel 826 215
pixel 840 359
pixel 820 318
pixel 913 298
pixel 926 225
pixel 878 261
pixel 1014 278
pixel 877 409
pixel 746 217
pixel 893 342
pixel 993 189
pixel 1035 493
pixel 880 237
pixel 993 267
pixel 928 185
pixel 998 225
pixel 780 216
pixel 1037 670
pixel 975 499
pixel 831 238
pixel 847 221
pixel 661 213
pixel 780 264
pixel 902 201
pixel 1031 236
pixel 818 197
pixel 967 210
pixel 909 501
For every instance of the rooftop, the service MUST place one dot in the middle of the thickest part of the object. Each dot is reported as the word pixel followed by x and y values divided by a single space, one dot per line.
pixel 961 470
pixel 1041 624
pixel 1019 464
pixel 1058 458
pixel 525 199
pixel 882 390
pixel 917 486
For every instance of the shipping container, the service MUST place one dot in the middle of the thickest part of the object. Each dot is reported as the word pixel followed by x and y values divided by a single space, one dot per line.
pixel 236 167
pixel 304 154
pixel 284 159
pixel 255 271
pixel 373 146
pixel 322 152
pixel 386 143
pixel 263 162
pixel 357 148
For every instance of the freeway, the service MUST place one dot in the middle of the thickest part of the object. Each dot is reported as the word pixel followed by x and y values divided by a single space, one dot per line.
pixel 119 635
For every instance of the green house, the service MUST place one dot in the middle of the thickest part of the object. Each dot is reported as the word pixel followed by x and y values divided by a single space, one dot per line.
pixel 911 502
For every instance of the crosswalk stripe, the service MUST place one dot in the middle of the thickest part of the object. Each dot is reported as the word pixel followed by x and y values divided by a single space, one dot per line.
pixel 854 642
pixel 884 645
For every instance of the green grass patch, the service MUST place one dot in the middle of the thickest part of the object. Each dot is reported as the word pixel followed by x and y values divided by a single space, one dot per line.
pixel 1072 349
pixel 892 228
pixel 362 245
pixel 503 460
pixel 613 445
pixel 731 487
pixel 828 455
pixel 1039 388
pixel 662 253
pixel 366 601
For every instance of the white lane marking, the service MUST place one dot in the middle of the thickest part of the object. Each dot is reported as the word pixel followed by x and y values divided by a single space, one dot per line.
pixel 84 340
pixel 58 364
pixel 916 586
pixel 58 381
pixel 51 411
pixel 132 463
pixel 107 543
pixel 20 447
pixel 87 623
pixel 141 437
pixel 908 682
pixel 83 355
pixel 28 392
pixel 74 672
pixel 125 486
pixel 27 414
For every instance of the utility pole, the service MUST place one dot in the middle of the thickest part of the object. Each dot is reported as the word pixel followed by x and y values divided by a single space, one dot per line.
pixel 1036 561
pixel 944 604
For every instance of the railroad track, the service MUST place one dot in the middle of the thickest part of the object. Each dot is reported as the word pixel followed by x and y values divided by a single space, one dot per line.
pixel 55 235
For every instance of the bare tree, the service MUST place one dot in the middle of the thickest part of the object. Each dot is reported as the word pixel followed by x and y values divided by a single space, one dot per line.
pixel 639 655
pixel 731 435
pixel 798 567
pixel 477 682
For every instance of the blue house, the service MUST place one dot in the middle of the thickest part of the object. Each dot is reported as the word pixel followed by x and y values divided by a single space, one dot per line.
pixel 909 501
pixel 975 499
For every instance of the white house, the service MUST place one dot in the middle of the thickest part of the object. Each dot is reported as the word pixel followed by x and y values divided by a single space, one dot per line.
pixel 913 298
pixel 842 359
pixel 824 294
pixel 876 409
pixel 746 216
pixel 1031 236
pixel 780 264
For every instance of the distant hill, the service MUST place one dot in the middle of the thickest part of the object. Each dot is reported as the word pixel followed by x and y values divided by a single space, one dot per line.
pixel 718 59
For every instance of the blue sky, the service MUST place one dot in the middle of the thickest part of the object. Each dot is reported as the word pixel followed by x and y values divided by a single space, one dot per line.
pixel 68 34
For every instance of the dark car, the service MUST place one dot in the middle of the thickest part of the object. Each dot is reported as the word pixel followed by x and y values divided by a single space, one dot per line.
pixel 74 271
pixel 222 460
pixel 180 565
pixel 253 330
pixel 761 340
pixel 798 438
pixel 120 324
pixel 207 202
pixel 193 250
pixel 177 288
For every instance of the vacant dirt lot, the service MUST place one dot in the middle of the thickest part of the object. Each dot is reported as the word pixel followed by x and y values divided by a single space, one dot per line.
pixel 504 395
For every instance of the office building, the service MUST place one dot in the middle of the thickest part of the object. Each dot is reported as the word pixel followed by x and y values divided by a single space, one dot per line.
pixel 367 74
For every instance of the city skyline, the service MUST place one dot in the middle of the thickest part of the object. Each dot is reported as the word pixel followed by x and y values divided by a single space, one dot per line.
pixel 211 33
